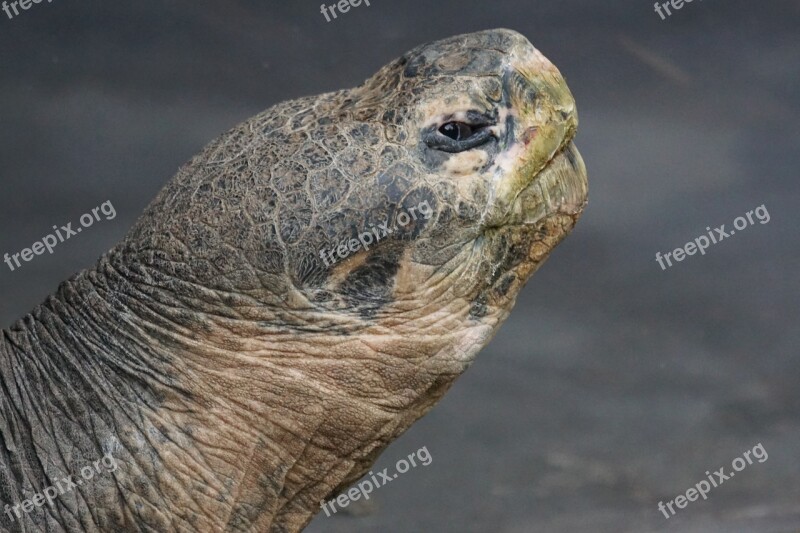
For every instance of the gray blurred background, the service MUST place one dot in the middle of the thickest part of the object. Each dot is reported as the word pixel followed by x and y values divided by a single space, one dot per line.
pixel 614 384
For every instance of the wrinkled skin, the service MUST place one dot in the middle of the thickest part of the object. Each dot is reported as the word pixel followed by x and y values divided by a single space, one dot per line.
pixel 237 373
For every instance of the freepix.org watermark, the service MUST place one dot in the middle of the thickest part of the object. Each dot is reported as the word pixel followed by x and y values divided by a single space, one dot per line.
pixel 68 484
pixel 365 487
pixel 374 235
pixel 343 6
pixel 702 243
pixel 714 480
pixel 50 241
pixel 23 5
pixel 675 4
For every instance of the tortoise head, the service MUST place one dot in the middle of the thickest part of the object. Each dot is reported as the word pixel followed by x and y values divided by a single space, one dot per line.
pixel 463 180
pixel 340 259
pixel 437 186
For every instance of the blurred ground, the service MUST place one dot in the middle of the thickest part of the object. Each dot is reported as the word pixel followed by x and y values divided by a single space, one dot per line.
pixel 614 385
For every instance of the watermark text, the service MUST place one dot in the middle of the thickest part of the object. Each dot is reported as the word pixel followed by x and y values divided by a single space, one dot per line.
pixel 369 484
pixel 68 484
pixel 703 242
pixel 716 479
pixel 50 241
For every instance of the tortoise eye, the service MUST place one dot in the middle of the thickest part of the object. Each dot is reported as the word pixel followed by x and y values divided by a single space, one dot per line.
pixel 456 136
pixel 458 131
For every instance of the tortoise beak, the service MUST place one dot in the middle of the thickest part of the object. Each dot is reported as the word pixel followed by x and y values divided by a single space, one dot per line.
pixel 561 187
pixel 539 172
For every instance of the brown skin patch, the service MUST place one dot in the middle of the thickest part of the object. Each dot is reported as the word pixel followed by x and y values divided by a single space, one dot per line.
pixel 345 267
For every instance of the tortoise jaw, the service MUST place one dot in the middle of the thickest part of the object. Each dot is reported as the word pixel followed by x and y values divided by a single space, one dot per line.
pixel 561 187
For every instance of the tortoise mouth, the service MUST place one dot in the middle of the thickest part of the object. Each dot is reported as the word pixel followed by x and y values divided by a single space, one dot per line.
pixel 560 188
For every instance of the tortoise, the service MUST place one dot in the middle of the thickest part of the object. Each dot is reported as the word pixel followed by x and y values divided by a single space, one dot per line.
pixel 297 296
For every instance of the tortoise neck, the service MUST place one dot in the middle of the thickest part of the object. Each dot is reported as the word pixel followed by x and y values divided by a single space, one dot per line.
pixel 77 384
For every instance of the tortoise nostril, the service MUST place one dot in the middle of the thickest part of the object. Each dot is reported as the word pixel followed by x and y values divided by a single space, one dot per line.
pixel 528 135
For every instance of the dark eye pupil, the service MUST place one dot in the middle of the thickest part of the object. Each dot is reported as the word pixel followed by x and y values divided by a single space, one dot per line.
pixel 458 131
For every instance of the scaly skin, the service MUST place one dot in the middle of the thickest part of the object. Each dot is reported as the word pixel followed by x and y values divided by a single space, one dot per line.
pixel 238 374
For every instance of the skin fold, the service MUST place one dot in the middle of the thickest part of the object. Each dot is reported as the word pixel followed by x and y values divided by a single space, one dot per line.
pixel 239 373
